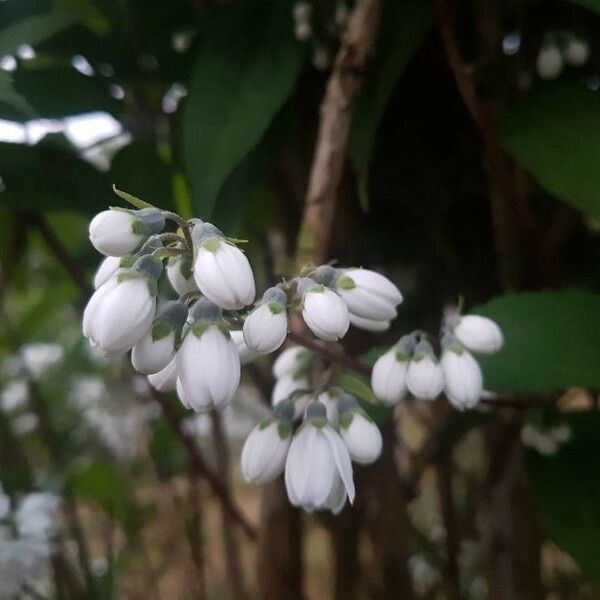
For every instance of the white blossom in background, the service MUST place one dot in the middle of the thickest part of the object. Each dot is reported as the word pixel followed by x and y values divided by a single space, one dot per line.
pixel 576 52
pixel 463 381
pixel 40 357
pixel 388 377
pixel 360 434
pixel 291 361
pixel 266 327
pixel 546 441
pixel 550 62
pixel 221 270
pixel 246 355
pixel 325 313
pixel 318 470
pixel 107 268
pixel 424 377
pixel 478 334
pixel 14 395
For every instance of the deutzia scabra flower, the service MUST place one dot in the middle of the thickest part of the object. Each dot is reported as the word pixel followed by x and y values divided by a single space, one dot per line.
pixel 463 382
pixel 577 52
pixel 292 361
pixel 181 276
pixel 157 349
pixel 118 232
pixel 265 450
pixel 265 328
pixel 222 271
pixel 108 267
pixel 360 434
pixel 330 399
pixel 325 313
pixel 478 334
pixel 208 364
pixel 424 377
pixel 549 62
pixel 294 388
pixel 166 379
pixel 318 470
pixel 371 298
pixel 120 312
pixel 246 355
pixel 388 378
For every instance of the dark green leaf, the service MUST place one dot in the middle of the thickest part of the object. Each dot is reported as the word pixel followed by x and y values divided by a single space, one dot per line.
pixel 246 68
pixel 552 342
pixel 593 5
pixel 404 26
pixel 555 133
pixel 12 105
pixel 568 492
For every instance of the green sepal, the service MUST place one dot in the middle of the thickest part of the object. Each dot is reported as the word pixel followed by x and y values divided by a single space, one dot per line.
pixel 199 327
pixel 317 289
pixel 160 330
pixel 284 429
pixel 265 423
pixel 345 282
pixel 133 200
pixel 275 308
pixel 319 423
pixel 402 356
pixel 346 419
pixel 212 244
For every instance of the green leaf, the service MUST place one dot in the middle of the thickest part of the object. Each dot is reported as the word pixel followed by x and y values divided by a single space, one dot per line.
pixel 34 29
pixel 246 68
pixel 567 485
pixel 64 182
pixel 593 5
pixel 552 342
pixel 555 133
pixel 404 26
pixel 12 105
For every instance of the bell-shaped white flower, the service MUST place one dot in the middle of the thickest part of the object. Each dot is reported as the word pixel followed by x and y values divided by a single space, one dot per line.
pixel 180 275
pixel 118 232
pixel 359 432
pixel 108 267
pixel 265 450
pixel 120 312
pixel 246 355
pixel 292 361
pixel 166 379
pixel 329 399
pixel 479 334
pixel 388 377
pixel 318 470
pixel 577 52
pixel 424 377
pixel 291 387
pixel 221 270
pixel 157 349
pixel 549 63
pixel 369 295
pixel 369 324
pixel 265 328
pixel 325 313
pixel 462 376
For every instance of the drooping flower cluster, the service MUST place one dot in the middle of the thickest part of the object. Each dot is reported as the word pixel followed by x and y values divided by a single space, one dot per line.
pixel 413 366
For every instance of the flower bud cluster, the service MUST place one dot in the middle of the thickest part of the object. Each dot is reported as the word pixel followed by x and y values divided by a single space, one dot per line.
pixel 558 49
pixel 413 366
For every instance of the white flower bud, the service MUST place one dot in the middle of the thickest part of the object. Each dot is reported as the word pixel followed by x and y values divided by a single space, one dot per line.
pixel 285 387
pixel 360 434
pixel 325 313
pixel 246 355
pixel 463 382
pixel 577 52
pixel 265 450
pixel 120 312
pixel 479 334
pixel 108 267
pixel 369 324
pixel 208 367
pixel 165 380
pixel 368 294
pixel 318 471
pixel 549 62
pixel 290 361
pixel 302 31
pixel 388 378
pixel 223 273
pixel 153 354
pixel 265 328
pixel 181 277
pixel 424 377
pixel 330 399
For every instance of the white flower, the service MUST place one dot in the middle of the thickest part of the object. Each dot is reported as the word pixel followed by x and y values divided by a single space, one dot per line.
pixel 424 377
pixel 290 361
pixel 360 434
pixel 153 354
pixel 479 334
pixel 325 313
pixel 265 450
pixel 462 376
pixel 549 62
pixel 35 516
pixel 4 503
pixel 108 267
pixel 120 312
pixel 318 471
pixel 330 399
pixel 181 276
pixel 223 273
pixel 388 378
pixel 285 387
pixel 208 367
pixel 246 355
pixel 165 380
pixel 120 232
pixel 265 328
pixel 369 324
pixel 577 52
pixel 369 295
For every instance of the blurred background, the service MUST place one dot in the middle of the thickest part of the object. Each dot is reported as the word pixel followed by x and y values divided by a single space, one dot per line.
pixel 471 171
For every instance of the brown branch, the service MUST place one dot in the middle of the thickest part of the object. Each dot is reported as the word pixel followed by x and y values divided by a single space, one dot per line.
pixel 199 466
pixel 357 46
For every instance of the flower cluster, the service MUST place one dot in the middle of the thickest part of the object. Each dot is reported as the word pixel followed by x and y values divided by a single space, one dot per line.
pixel 413 366
pixel 558 49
